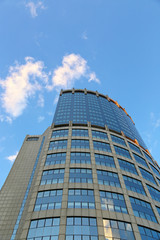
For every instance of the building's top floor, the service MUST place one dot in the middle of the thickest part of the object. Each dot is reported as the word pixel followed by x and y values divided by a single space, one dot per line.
pixel 82 106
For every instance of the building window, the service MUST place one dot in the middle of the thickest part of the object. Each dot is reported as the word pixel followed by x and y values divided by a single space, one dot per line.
pixel 148 234
pixel 101 146
pixel 116 230
pixel 52 176
pixel 48 200
pixel 155 194
pixel 60 133
pixel 78 143
pixel 140 160
pixel 127 166
pixel 100 135
pixel 148 176
pixel 55 158
pixel 134 148
pixel 113 202
pixel 122 152
pixel 142 209
pixel 104 160
pixel 47 228
pixel 80 132
pixel 148 157
pixel 32 139
pixel 80 175
pixel 108 178
pixel 81 228
pixel 61 144
pixel 154 170
pixel 118 140
pixel 81 198
pixel 134 185
pixel 80 157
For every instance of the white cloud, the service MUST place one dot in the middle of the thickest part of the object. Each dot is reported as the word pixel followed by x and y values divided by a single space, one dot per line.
pixel 33 7
pixel 20 84
pixel 41 118
pixel 84 36
pixel 40 102
pixel 73 68
pixel 12 157
pixel 155 121
pixel 92 77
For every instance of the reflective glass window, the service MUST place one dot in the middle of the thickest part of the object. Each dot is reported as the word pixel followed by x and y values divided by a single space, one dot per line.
pixel 55 158
pixel 118 140
pixel 80 157
pixel 113 202
pixel 80 175
pixel 148 157
pixel 148 234
pixel 100 135
pixel 60 133
pixel 155 170
pixel 81 198
pixel 123 152
pixel 48 200
pixel 155 194
pixel 134 185
pixel 61 144
pixel 32 139
pixel 80 132
pixel 148 176
pixel 108 178
pixel 104 160
pixel 140 160
pixel 117 230
pixel 81 228
pixel 134 148
pixel 52 176
pixel 44 229
pixel 101 146
pixel 79 143
pixel 127 166
pixel 142 209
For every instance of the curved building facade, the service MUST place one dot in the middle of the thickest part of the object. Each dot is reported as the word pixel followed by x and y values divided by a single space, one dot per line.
pixel 88 177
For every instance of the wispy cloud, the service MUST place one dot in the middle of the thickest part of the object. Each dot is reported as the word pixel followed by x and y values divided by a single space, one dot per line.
pixel 84 36
pixel 21 83
pixel 72 69
pixel 41 118
pixel 40 102
pixel 33 7
pixel 155 121
pixel 11 158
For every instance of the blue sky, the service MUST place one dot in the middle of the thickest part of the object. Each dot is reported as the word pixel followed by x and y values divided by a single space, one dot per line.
pixel 107 45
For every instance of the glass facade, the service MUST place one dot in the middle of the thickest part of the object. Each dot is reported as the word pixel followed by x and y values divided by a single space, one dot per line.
pixel 55 158
pixel 108 178
pixel 113 202
pixel 104 160
pixel 81 198
pixel 48 200
pixel 142 209
pixel 80 175
pixel 81 228
pixel 106 184
pixel 134 185
pixel 52 176
pixel 117 230
pixel 127 166
pixel 43 229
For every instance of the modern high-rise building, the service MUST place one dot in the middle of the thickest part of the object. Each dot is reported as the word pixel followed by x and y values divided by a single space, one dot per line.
pixel 89 176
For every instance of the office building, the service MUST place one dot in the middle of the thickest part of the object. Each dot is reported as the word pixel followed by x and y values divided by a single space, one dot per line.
pixel 89 176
